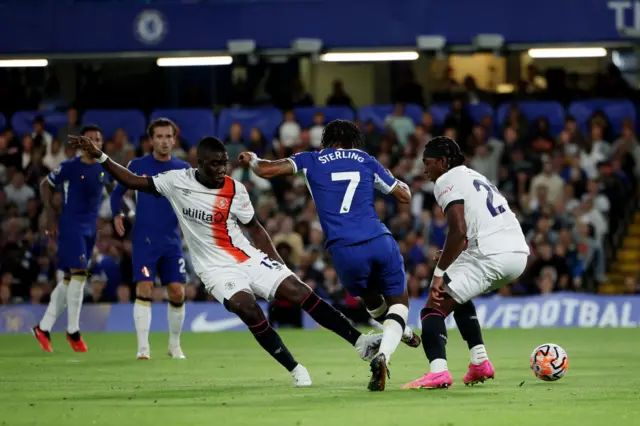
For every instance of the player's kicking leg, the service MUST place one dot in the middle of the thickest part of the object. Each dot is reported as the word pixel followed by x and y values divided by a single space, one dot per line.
pixel 295 291
pixel 394 324
pixel 57 303
pixel 379 314
pixel 243 304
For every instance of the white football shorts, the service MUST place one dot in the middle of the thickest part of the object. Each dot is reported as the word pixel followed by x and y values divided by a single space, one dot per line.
pixel 474 273
pixel 259 276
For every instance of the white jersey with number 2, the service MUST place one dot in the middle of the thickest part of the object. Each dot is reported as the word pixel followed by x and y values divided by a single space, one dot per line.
pixel 491 225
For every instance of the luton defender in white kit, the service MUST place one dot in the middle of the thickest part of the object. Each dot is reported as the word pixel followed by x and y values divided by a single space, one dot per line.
pixel 209 205
pixel 485 249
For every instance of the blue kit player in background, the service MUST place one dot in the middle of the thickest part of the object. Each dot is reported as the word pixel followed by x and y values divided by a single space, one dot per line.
pixel 342 179
pixel 157 247
pixel 82 181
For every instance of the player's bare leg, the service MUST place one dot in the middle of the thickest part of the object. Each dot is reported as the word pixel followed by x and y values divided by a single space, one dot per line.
pixel 394 324
pixel 434 341
pixel 142 318
pixel 244 305
pixel 175 316
pixel 480 368
pixel 75 294
pixel 293 290
pixel 57 303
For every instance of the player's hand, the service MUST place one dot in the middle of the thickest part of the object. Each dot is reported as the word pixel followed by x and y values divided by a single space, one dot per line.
pixel 437 290
pixel 86 144
pixel 245 158
pixel 118 223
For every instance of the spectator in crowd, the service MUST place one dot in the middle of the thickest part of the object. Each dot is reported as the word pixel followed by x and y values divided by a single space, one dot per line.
pixel 41 138
pixel 235 141
pixel 338 96
pixel 72 127
pixel 57 155
pixel 18 192
pixel 400 124
pixel 570 193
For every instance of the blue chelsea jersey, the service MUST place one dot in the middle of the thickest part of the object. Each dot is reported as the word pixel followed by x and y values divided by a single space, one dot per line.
pixel 82 187
pixel 155 219
pixel 342 184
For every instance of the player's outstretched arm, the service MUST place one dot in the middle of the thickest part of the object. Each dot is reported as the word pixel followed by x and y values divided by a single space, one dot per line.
pixel 456 236
pixel 119 173
pixel 262 240
pixel 265 168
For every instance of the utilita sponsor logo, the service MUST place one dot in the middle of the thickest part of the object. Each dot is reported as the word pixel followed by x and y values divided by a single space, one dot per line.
pixel 203 215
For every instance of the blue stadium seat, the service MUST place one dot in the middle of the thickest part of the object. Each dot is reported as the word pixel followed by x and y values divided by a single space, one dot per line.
pixel 131 121
pixel 194 123
pixel 22 121
pixel 532 110
pixel 615 110
pixel 266 119
pixel 3 122
pixel 304 115
pixel 477 112
pixel 377 113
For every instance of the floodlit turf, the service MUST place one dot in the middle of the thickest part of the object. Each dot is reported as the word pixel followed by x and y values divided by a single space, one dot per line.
pixel 228 380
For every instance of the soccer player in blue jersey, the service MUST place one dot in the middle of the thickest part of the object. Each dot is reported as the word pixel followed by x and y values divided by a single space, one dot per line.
pixel 157 248
pixel 82 181
pixel 342 179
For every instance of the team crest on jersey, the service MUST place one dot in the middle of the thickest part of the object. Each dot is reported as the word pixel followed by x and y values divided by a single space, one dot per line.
pixel 229 285
pixel 101 177
pixel 222 203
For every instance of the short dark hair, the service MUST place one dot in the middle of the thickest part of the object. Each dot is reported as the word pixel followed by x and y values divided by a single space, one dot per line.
pixel 342 134
pixel 90 128
pixel 210 144
pixel 161 122
pixel 38 119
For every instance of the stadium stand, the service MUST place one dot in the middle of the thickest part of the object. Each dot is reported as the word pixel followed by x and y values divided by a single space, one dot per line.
pixel 569 174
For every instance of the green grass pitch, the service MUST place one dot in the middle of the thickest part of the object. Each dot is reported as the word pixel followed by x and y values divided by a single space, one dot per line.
pixel 228 380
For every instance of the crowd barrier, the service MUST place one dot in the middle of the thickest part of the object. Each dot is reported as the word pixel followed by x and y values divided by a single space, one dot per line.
pixel 557 310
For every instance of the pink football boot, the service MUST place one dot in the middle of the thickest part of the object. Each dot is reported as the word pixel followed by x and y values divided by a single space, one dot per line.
pixel 479 373
pixel 440 380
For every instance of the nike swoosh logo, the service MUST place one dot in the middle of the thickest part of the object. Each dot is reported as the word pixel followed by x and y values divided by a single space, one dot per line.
pixel 200 324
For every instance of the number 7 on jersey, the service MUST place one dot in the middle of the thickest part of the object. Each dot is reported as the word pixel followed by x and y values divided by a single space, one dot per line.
pixel 354 180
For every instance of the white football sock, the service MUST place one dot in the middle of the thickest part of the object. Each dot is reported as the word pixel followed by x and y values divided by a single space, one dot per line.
pixel 478 354
pixel 75 294
pixel 377 312
pixel 142 321
pixel 56 305
pixel 407 333
pixel 438 365
pixel 393 329
pixel 176 319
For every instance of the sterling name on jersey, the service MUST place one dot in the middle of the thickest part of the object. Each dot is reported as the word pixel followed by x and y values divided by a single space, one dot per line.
pixel 342 183
pixel 209 218
pixel 491 225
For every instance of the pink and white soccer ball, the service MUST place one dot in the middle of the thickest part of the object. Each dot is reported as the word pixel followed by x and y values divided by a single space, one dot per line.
pixel 549 362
